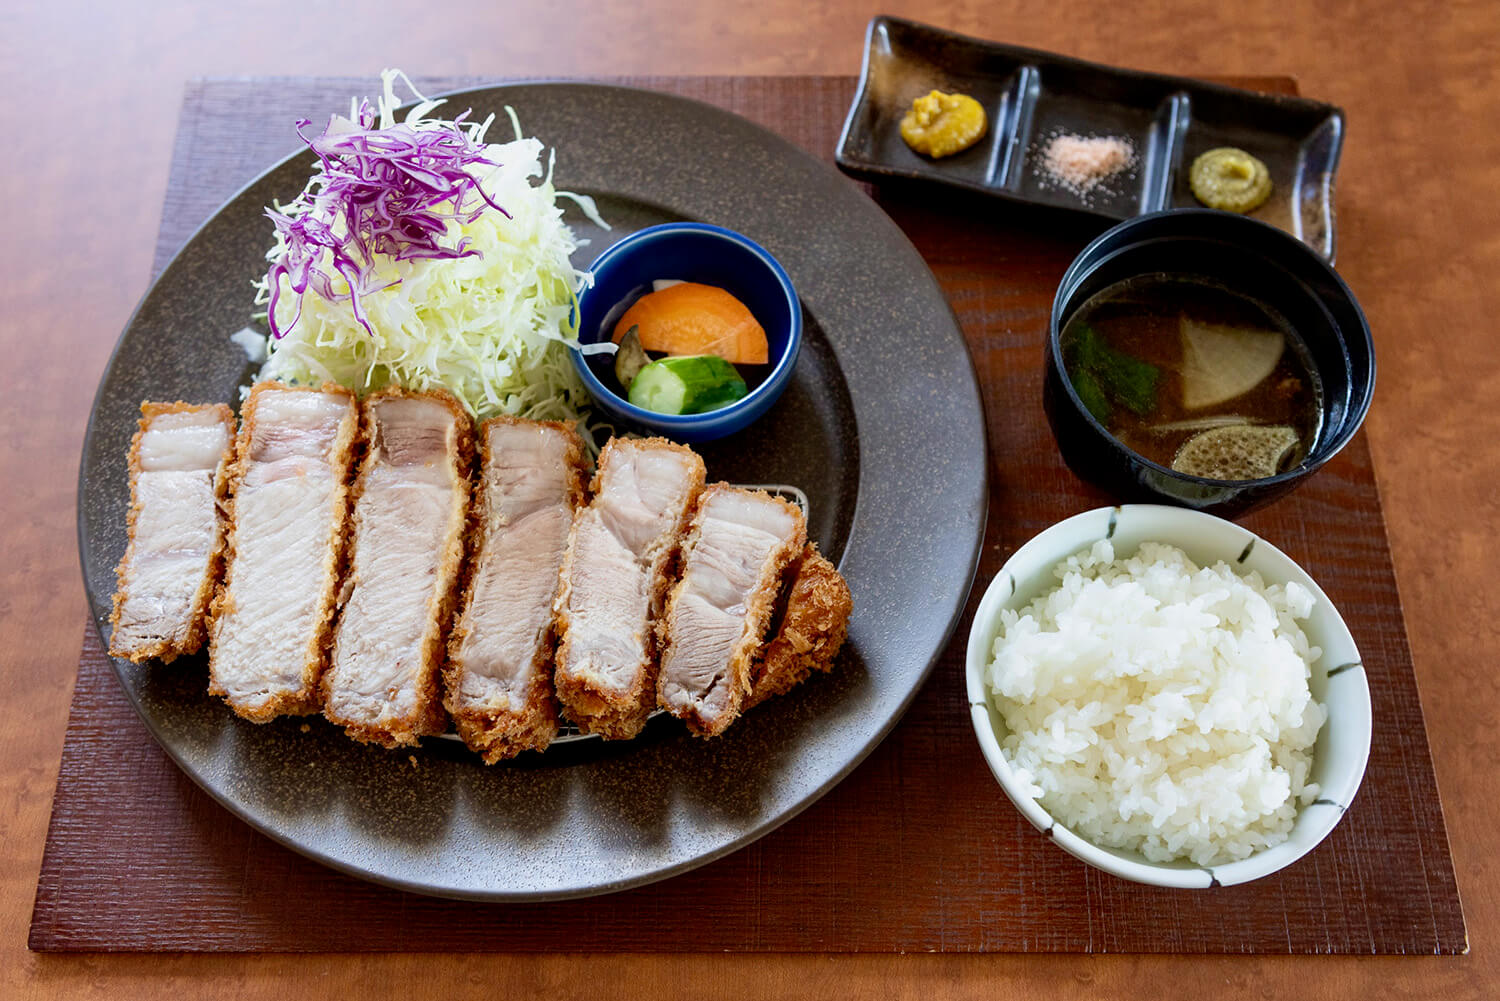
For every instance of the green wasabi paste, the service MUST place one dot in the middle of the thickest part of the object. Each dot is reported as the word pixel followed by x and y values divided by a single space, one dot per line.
pixel 1230 179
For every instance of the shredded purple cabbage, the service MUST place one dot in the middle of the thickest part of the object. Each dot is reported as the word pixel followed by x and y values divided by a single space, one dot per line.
pixel 395 190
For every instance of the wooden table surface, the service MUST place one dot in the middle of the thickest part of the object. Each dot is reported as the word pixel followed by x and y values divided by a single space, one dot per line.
pixel 91 98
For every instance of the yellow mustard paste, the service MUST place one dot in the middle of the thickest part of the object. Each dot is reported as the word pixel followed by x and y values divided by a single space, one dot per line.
pixel 943 124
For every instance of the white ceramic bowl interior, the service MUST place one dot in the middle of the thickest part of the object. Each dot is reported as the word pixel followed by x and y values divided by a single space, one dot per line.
pixel 1338 679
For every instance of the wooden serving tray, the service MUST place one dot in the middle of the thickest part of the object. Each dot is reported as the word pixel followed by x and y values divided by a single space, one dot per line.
pixel 918 850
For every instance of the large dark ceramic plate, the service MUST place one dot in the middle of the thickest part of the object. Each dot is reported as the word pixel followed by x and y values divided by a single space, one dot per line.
pixel 1030 95
pixel 881 426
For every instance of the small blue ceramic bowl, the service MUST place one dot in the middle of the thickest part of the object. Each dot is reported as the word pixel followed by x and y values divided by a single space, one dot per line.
pixel 695 252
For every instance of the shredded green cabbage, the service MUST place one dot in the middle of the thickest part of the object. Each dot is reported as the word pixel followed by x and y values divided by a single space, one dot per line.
pixel 493 327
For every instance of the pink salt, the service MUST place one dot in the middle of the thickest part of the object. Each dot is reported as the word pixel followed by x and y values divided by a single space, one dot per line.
pixel 1080 163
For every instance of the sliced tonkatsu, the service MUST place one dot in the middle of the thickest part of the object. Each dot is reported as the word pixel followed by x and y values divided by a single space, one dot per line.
pixel 813 627
pixel 178 464
pixel 288 505
pixel 406 550
pixel 734 560
pixel 336 557
pixel 614 582
pixel 499 674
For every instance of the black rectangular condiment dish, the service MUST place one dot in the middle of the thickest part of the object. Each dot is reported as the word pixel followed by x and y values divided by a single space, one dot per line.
pixel 1029 96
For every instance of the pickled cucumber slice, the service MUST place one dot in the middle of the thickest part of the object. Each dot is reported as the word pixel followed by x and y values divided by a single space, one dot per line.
pixel 691 384
pixel 1241 452
pixel 1221 362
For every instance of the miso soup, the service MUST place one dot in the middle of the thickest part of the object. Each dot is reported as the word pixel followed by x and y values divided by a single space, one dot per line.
pixel 1195 377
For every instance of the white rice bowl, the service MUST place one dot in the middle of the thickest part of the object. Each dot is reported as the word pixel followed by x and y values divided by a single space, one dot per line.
pixel 1157 707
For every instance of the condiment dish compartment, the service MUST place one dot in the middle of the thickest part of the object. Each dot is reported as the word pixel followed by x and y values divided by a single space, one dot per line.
pixel 1030 96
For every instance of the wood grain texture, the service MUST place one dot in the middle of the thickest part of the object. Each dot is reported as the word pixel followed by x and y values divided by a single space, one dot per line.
pixel 90 118
pixel 918 851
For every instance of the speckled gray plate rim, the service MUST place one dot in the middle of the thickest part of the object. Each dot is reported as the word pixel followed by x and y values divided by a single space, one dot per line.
pixel 883 425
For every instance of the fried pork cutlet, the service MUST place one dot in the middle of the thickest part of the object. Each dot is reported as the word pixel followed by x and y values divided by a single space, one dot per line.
pixel 614 582
pixel 410 509
pixel 734 556
pixel 813 627
pixel 178 463
pixel 499 673
pixel 288 505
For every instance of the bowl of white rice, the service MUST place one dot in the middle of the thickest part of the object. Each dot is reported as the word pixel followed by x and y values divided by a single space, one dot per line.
pixel 1169 697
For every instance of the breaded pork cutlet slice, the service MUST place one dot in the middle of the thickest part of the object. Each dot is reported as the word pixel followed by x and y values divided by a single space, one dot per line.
pixel 499 675
pixel 288 504
pixel 179 459
pixel 410 511
pixel 614 582
pixel 733 562
pixel 813 627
